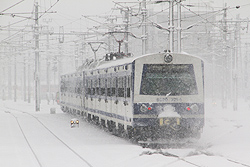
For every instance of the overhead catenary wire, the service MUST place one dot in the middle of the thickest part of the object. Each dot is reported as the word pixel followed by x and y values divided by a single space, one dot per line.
pixel 46 11
pixel 12 6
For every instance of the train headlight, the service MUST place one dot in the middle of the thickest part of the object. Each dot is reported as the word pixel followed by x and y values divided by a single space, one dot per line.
pixel 194 108
pixel 143 108
pixel 168 58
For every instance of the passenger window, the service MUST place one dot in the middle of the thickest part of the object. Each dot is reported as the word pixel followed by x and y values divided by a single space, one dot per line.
pixel 114 83
pixel 98 86
pixel 128 85
pixel 120 87
pixel 109 93
pixel 102 85
pixel 93 87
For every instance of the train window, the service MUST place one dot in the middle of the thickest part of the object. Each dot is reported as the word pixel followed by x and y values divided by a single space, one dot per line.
pixel 120 87
pixel 114 85
pixel 88 87
pixel 97 81
pixel 92 87
pixel 128 85
pixel 109 87
pixel 173 79
pixel 102 85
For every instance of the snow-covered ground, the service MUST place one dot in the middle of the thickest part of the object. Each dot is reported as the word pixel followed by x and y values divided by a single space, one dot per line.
pixel 30 139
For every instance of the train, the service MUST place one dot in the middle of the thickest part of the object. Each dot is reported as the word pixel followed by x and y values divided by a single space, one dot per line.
pixel 152 96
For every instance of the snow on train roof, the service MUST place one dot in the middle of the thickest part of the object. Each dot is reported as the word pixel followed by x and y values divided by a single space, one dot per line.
pixel 118 62
pixel 112 63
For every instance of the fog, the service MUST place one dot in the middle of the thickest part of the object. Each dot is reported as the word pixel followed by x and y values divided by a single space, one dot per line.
pixel 69 34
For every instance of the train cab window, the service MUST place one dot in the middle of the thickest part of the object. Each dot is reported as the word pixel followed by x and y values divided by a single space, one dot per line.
pixel 173 79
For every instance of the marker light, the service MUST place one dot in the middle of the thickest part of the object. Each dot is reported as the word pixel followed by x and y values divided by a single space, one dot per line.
pixel 168 58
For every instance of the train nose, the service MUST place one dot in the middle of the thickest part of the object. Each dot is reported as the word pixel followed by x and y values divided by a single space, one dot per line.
pixel 169 117
pixel 167 111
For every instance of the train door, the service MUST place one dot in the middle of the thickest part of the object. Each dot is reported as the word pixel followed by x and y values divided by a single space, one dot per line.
pixel 127 101
pixel 121 99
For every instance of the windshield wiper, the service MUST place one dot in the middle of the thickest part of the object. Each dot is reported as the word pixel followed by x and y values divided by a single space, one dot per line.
pixel 168 94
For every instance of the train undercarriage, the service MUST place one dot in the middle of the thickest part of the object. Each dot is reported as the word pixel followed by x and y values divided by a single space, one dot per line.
pixel 141 133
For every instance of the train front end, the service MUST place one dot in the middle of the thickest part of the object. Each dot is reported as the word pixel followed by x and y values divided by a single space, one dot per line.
pixel 168 95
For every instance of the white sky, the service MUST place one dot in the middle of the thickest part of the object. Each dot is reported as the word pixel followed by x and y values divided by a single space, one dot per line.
pixel 75 8
pixel 69 12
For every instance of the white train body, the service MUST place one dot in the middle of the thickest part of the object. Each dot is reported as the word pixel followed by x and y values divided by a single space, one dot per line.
pixel 163 91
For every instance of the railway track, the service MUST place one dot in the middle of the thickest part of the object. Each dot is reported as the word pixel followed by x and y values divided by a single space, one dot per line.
pixel 195 153
pixel 191 158
pixel 40 142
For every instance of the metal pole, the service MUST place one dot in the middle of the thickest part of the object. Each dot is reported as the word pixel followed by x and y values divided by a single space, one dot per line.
pixel 179 26
pixel 28 79
pixel 24 79
pixel 9 69
pixel 144 28
pixel 3 80
pixel 225 83
pixel 48 67
pixel 235 64
pixel 15 84
pixel 171 25
pixel 246 91
pixel 126 30
pixel 37 68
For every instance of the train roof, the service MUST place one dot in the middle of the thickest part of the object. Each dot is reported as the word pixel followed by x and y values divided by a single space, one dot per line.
pixel 123 61
pixel 128 60
pixel 112 63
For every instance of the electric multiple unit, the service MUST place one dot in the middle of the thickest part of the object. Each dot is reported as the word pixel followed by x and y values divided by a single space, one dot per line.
pixel 152 96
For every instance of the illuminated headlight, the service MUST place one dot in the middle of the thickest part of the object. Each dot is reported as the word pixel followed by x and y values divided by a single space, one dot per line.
pixel 77 121
pixel 143 108
pixel 71 122
pixel 194 108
